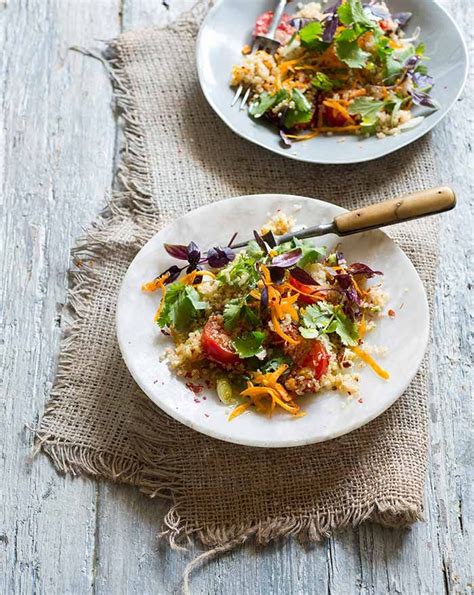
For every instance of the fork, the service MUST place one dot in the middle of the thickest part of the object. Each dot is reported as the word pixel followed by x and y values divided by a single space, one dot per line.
pixel 266 43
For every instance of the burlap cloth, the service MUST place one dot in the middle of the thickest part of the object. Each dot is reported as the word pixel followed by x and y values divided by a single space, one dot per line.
pixel 177 157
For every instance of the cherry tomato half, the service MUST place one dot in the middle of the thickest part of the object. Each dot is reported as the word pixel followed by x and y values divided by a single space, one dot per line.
pixel 305 299
pixel 317 359
pixel 217 344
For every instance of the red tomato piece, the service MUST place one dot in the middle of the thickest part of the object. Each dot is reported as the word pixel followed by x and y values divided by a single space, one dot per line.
pixel 317 359
pixel 308 289
pixel 217 344
pixel 284 29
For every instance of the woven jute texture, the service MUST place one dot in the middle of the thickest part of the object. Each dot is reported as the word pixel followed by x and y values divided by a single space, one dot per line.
pixel 177 157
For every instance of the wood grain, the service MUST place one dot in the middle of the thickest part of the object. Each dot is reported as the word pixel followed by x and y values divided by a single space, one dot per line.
pixel 62 535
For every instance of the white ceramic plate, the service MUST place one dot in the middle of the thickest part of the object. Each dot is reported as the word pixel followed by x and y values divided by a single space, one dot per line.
pixel 227 28
pixel 329 414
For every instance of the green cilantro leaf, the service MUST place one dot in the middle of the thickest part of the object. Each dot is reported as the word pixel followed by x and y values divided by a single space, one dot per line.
pixel 322 82
pixel 266 101
pixel 346 329
pixel 311 35
pixel 301 113
pixel 237 310
pixel 181 307
pixel 367 108
pixel 323 318
pixel 250 345
pixel 350 53
pixel 352 13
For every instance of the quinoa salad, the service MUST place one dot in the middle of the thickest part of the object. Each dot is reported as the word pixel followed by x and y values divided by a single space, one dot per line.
pixel 273 322
pixel 346 68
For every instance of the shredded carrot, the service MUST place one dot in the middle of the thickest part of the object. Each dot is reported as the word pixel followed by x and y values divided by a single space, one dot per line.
pixel 258 391
pixel 299 137
pixel 356 92
pixel 369 360
pixel 360 291
pixel 279 331
pixel 157 283
pixel 336 105
pixel 238 410
pixel 362 327
pixel 191 277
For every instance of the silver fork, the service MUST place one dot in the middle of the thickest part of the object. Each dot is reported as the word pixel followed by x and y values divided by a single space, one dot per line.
pixel 267 43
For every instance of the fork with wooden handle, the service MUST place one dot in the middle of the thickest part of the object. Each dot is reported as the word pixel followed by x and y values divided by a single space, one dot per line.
pixel 397 210
pixel 267 43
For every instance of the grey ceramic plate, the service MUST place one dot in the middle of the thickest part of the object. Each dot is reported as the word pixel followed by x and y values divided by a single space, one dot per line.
pixel 227 28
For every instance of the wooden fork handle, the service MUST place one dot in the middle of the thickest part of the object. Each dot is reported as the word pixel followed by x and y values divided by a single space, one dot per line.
pixel 396 210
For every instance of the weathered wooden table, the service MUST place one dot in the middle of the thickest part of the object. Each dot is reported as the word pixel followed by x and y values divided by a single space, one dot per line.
pixel 58 153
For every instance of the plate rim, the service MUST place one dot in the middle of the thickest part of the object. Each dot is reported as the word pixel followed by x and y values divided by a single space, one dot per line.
pixel 318 161
pixel 220 435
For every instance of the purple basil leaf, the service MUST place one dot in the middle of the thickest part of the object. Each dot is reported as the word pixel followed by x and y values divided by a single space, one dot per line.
pixel 260 242
pixel 194 267
pixel 331 25
pixel 177 251
pixel 218 257
pixel 422 81
pixel 401 18
pixel 174 272
pixel 264 299
pixel 269 238
pixel 194 254
pixel 287 259
pixel 232 239
pixel 285 140
pixel 358 268
pixel 412 62
pixel 302 276
pixel 348 289
pixel 277 274
pixel 421 98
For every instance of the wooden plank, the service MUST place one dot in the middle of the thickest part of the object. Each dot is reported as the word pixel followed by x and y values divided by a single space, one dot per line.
pixel 56 154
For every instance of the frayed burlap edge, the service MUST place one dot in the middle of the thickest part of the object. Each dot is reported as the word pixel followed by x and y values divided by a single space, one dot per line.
pixel 134 205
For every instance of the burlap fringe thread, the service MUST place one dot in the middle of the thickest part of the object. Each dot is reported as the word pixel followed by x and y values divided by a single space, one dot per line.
pixel 134 203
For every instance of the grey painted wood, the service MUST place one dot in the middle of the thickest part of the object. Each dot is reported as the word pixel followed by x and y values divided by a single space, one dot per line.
pixel 63 535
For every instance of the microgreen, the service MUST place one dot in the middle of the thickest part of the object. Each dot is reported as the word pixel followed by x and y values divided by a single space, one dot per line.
pixel 324 318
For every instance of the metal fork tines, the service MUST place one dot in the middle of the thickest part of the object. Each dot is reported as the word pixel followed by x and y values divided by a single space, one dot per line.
pixel 266 43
